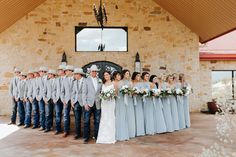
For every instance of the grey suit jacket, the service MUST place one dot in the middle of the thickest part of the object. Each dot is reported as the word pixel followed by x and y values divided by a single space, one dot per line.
pixel 76 95
pixel 56 92
pixel 90 96
pixel 29 89
pixel 66 89
pixel 40 85
pixel 35 89
pixel 48 89
pixel 20 89
pixel 13 86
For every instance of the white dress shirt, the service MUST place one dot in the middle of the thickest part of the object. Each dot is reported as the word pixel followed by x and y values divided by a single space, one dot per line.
pixel 95 83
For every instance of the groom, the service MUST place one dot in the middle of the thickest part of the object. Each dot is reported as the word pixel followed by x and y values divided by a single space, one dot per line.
pixel 91 102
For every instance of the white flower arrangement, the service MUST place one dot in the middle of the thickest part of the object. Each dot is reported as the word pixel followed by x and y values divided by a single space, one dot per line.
pixel 166 92
pixel 155 92
pixel 187 90
pixel 178 91
pixel 144 92
pixel 108 94
pixel 125 90
pixel 135 91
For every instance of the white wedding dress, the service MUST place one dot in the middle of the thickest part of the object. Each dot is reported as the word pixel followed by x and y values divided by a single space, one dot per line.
pixel 106 132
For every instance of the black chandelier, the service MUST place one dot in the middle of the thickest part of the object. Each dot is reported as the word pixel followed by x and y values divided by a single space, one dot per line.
pixel 101 17
pixel 100 14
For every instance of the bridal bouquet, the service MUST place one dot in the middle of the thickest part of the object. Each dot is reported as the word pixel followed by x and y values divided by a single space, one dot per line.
pixel 178 91
pixel 144 92
pixel 187 90
pixel 108 94
pixel 154 93
pixel 135 91
pixel 126 90
pixel 166 92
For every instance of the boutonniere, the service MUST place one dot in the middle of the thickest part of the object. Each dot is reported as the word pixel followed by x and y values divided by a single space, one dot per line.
pixel 99 81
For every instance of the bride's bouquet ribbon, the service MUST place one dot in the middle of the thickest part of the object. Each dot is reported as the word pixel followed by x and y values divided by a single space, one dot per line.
pixel 154 102
pixel 135 101
pixel 126 99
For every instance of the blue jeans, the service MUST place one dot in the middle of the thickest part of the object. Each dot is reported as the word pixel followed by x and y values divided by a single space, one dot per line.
pixel 14 111
pixel 78 115
pixel 35 113
pixel 67 108
pixel 58 110
pixel 28 111
pixel 21 111
pixel 96 115
pixel 42 113
pixel 49 115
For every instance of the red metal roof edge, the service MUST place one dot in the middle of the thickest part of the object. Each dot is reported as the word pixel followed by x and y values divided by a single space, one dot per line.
pixel 206 56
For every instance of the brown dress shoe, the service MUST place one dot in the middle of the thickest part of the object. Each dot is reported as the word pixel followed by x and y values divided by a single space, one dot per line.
pixel 65 134
pixel 11 123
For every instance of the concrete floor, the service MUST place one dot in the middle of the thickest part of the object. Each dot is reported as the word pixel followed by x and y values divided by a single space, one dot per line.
pixel 185 143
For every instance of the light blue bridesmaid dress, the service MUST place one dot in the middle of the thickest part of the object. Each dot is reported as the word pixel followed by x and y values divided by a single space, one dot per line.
pixel 139 113
pixel 148 106
pixel 159 116
pixel 130 111
pixel 186 109
pixel 167 110
pixel 174 111
pixel 180 107
pixel 122 130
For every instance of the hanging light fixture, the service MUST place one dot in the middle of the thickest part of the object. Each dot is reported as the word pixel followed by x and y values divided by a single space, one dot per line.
pixel 100 14
pixel 101 17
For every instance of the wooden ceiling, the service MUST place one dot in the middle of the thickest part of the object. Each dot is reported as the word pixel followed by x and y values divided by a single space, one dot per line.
pixel 207 18
pixel 13 10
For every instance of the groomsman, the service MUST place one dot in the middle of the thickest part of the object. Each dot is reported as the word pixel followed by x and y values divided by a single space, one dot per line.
pixel 91 102
pixel 35 102
pixel 48 99
pixel 20 98
pixel 66 92
pixel 12 93
pixel 28 98
pixel 76 99
pixel 40 85
pixel 57 98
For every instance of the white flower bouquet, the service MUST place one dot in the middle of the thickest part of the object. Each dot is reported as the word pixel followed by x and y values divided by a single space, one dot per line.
pixel 126 90
pixel 166 92
pixel 187 90
pixel 154 93
pixel 135 91
pixel 108 94
pixel 178 91
pixel 144 92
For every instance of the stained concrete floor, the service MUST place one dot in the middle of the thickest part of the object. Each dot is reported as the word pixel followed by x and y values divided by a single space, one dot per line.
pixel 185 143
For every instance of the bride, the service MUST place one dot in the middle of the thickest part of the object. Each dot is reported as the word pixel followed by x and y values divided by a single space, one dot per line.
pixel 106 133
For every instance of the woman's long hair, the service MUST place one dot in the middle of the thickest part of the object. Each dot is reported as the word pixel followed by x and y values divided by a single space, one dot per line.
pixel 152 78
pixel 103 78
pixel 123 73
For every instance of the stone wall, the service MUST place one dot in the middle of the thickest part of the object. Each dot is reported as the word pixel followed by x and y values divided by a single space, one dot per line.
pixel 206 68
pixel 42 35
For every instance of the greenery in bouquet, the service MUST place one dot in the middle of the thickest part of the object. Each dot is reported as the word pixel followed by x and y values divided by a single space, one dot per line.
pixel 108 94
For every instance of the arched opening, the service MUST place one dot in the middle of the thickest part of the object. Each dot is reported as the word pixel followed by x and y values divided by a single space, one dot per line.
pixel 103 66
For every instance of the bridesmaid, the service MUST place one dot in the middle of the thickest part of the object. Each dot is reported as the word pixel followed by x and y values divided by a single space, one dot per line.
pixel 166 105
pixel 158 110
pixel 138 106
pixel 173 103
pixel 185 101
pixel 130 104
pixel 148 106
pixel 122 131
pixel 180 106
